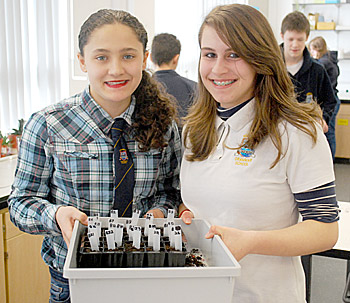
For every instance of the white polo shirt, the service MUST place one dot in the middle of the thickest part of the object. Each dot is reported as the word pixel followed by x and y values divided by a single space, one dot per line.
pixel 237 188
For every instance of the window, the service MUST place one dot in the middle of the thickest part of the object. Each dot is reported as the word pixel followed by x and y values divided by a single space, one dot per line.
pixel 34 56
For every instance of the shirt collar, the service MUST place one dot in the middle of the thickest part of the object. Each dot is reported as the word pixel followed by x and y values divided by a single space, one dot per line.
pixel 240 119
pixel 127 115
pixel 100 116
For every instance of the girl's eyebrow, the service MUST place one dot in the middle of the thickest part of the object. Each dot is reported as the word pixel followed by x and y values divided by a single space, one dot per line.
pixel 207 48
pixel 103 50
pixel 211 49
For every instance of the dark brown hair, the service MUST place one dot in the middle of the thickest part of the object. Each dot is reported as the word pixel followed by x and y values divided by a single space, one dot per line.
pixel 164 48
pixel 296 21
pixel 154 111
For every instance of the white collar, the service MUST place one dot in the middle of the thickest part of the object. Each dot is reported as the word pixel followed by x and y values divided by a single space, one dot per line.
pixel 239 119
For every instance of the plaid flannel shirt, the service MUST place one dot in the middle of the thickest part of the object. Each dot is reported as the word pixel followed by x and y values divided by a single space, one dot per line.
pixel 66 158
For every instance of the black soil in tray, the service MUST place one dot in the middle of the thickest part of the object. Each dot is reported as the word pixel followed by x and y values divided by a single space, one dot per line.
pixel 127 256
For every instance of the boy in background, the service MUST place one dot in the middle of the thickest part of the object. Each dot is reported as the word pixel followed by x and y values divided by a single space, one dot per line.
pixel 165 55
pixel 309 77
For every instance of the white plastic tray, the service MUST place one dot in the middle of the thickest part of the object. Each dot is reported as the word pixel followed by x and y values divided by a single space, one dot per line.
pixel 158 284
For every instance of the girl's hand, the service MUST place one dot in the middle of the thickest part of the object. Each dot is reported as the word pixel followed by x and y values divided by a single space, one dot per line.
pixel 65 218
pixel 237 241
pixel 187 216
pixel 157 213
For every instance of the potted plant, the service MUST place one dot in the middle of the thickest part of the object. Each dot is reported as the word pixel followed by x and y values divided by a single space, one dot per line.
pixel 5 146
pixel 16 134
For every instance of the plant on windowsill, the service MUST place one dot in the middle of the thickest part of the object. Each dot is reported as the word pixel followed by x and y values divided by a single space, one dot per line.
pixel 5 146
pixel 16 135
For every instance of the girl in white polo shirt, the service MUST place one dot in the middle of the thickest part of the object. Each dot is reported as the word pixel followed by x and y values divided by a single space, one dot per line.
pixel 255 159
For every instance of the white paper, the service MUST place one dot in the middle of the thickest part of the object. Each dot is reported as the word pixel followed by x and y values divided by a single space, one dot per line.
pixel 111 225
pixel 93 238
pixel 171 215
pixel 165 229
pixel 98 225
pixel 151 228
pixel 156 240
pixel 171 226
pixel 130 232
pixel 135 217
pixel 118 237
pixel 172 236
pixel 91 220
pixel 127 224
pixel 136 237
pixel 114 213
pixel 110 239
pixel 149 220
pixel 178 238
pixel 92 228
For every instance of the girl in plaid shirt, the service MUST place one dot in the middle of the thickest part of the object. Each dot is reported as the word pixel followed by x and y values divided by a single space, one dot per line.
pixel 65 163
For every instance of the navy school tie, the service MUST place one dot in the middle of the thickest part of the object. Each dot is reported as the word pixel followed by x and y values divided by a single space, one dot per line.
pixel 123 171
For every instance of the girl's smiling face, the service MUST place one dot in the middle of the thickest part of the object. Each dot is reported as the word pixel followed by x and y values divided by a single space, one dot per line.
pixel 227 77
pixel 114 59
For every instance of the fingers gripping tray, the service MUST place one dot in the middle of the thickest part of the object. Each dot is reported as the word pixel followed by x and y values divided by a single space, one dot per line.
pixel 212 283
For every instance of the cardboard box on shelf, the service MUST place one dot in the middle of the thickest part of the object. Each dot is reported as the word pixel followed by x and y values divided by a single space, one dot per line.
pixel 325 25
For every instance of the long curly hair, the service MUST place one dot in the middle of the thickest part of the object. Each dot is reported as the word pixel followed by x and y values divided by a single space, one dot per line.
pixel 154 113
pixel 249 34
pixel 155 110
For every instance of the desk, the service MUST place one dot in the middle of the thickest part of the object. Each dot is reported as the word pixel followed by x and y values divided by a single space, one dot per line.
pixel 341 249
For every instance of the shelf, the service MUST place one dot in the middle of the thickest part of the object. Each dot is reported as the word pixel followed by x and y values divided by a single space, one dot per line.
pixel 330 30
pixel 304 4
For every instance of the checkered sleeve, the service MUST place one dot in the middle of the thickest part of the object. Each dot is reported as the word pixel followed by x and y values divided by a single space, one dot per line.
pixel 167 195
pixel 29 206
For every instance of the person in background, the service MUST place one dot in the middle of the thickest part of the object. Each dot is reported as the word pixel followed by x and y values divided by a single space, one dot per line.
pixel 309 77
pixel 67 163
pixel 255 159
pixel 318 50
pixel 165 54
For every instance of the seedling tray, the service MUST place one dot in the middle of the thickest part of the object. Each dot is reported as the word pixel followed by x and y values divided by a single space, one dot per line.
pixel 213 283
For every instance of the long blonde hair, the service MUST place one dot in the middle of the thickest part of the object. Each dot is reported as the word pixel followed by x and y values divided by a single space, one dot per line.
pixel 320 45
pixel 249 35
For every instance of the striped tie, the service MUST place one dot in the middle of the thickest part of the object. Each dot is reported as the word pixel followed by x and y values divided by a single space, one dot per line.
pixel 123 171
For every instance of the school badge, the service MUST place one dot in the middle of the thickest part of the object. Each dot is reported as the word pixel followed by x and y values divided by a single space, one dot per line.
pixel 244 155
pixel 123 156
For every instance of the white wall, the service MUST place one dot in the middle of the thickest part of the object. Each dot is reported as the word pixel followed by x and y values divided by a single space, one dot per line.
pixel 79 10
pixel 274 10
pixel 277 10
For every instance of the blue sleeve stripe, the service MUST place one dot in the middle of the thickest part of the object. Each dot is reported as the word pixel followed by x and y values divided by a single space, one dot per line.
pixel 319 203
pixel 330 198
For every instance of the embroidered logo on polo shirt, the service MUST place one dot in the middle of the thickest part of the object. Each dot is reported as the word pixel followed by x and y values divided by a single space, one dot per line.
pixel 244 155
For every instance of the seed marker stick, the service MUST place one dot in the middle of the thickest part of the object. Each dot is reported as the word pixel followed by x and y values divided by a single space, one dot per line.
pixel 110 239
